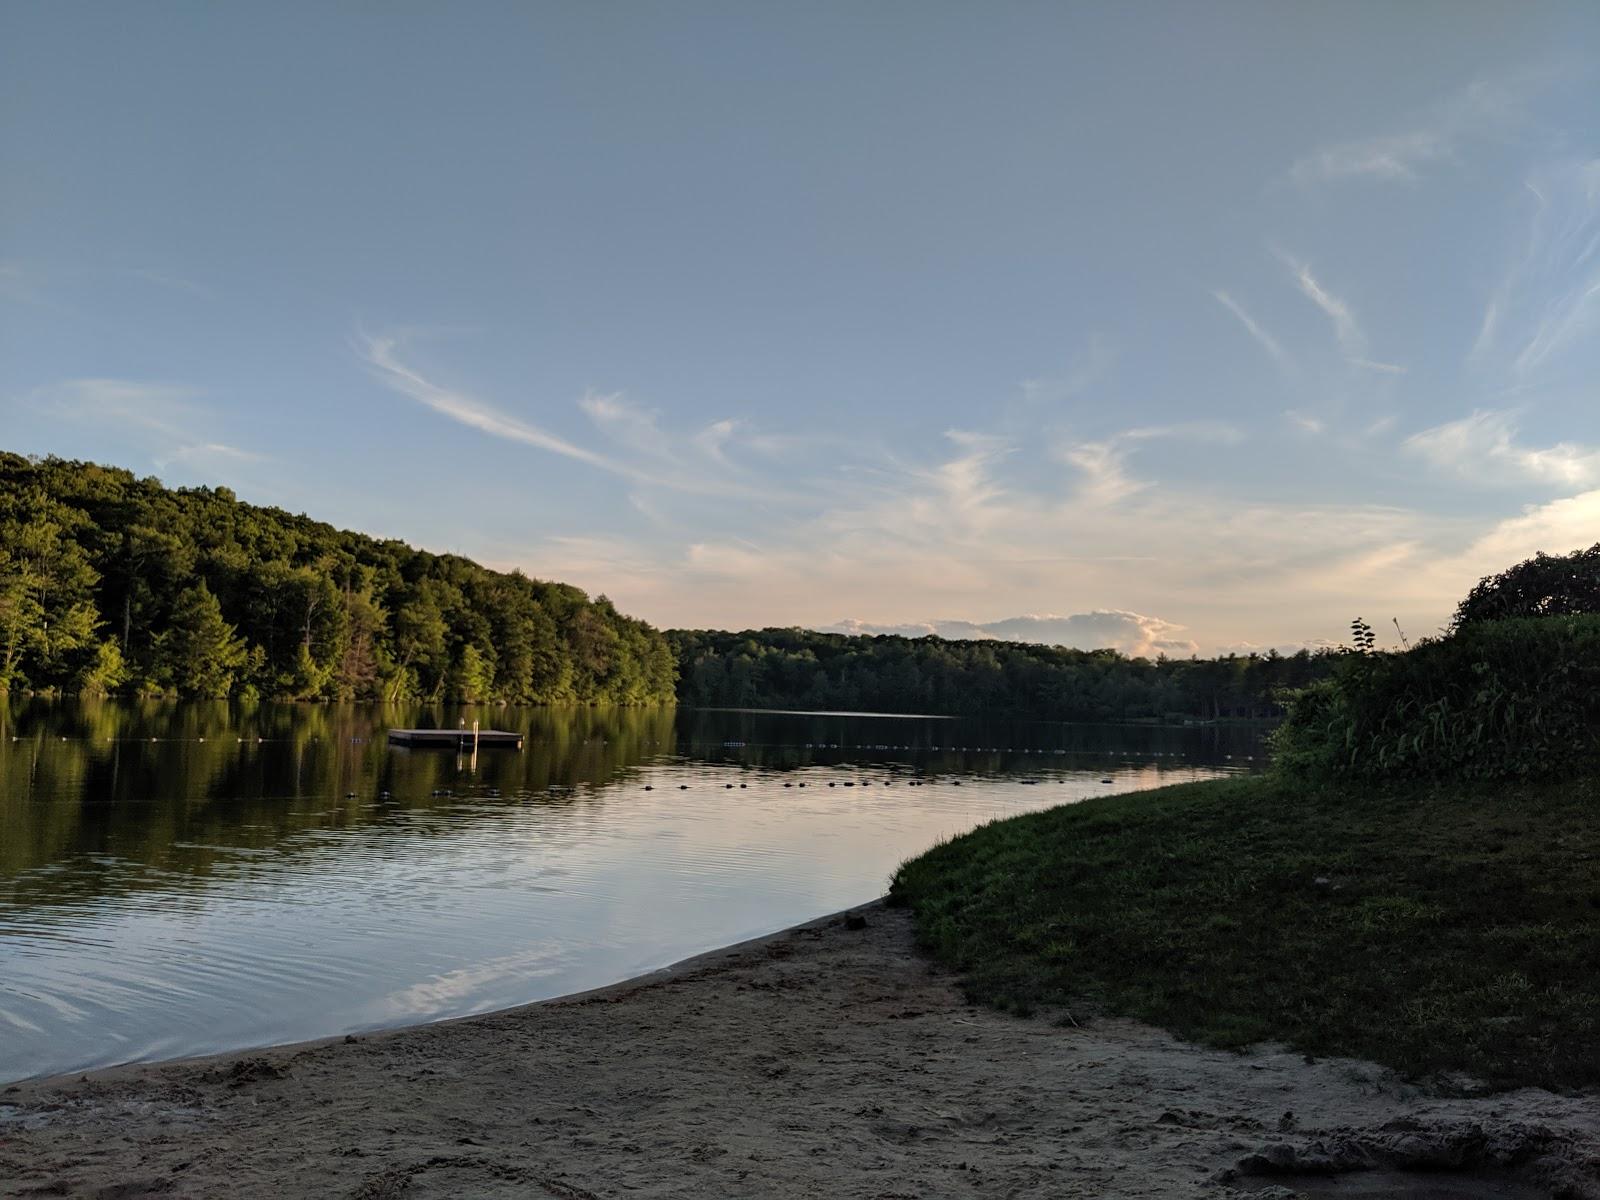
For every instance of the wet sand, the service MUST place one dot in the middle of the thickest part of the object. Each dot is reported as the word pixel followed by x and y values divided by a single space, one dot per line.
pixel 823 1061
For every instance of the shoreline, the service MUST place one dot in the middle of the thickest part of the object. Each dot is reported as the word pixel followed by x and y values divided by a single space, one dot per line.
pixel 631 983
pixel 817 1060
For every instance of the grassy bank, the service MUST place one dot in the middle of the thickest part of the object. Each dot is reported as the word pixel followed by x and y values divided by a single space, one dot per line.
pixel 1430 928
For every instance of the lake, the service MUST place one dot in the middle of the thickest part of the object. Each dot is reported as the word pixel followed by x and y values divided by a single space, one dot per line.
pixel 180 879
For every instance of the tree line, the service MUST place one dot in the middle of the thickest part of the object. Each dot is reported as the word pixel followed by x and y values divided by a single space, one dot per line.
pixel 111 584
pixel 797 668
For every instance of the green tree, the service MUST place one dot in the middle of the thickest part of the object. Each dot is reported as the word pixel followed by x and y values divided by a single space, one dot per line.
pixel 48 583
pixel 320 611
pixel 420 645
pixel 473 676
pixel 359 666
pixel 199 652
pixel 21 618
pixel 104 673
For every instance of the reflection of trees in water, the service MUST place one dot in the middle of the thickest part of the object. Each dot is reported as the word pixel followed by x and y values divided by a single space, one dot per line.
pixel 120 812
pixel 130 812
pixel 969 744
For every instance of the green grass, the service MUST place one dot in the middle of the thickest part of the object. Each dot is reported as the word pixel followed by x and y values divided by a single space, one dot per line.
pixel 1433 929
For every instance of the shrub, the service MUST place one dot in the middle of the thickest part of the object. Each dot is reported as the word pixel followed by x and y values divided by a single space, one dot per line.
pixel 1546 585
pixel 1496 699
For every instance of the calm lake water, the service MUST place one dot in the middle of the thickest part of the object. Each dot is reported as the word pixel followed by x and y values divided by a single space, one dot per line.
pixel 185 879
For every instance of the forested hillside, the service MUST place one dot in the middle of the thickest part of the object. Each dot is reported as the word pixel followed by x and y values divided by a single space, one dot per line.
pixel 795 668
pixel 114 584
pixel 110 583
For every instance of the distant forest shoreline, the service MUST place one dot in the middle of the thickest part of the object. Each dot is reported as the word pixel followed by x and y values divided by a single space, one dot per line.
pixel 115 585
pixel 805 670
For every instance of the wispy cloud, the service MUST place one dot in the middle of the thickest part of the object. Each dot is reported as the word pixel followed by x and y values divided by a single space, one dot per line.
pixel 696 464
pixel 1396 156
pixel 1103 474
pixel 1056 525
pixel 381 354
pixel 1101 466
pixel 171 415
pixel 1306 422
pixel 1383 368
pixel 1088 369
pixel 966 485
pixel 1487 327
pixel 1213 432
pixel 1434 578
pixel 1549 301
pixel 1432 138
pixel 713 441
pixel 1557 527
pixel 1345 328
pixel 1253 328
pixel 627 425
pixel 1483 447
pixel 209 452
pixel 955 533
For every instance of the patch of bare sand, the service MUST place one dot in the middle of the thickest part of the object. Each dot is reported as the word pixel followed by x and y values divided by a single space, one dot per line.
pixel 824 1061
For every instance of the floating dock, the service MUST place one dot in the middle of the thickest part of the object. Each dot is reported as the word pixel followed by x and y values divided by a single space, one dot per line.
pixel 457 739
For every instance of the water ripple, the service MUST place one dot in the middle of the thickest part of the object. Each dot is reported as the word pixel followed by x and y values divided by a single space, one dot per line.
pixel 175 897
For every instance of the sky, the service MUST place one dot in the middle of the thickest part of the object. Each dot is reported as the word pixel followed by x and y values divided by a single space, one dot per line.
pixel 1170 327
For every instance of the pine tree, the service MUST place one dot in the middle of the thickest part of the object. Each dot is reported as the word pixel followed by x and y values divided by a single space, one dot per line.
pixel 199 652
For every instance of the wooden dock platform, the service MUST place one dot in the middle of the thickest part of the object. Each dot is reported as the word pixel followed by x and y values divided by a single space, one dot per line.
pixel 456 739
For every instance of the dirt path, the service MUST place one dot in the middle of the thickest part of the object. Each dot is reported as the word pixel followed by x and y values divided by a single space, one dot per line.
pixel 825 1061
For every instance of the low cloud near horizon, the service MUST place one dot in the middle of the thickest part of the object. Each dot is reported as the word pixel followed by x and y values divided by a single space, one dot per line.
pixel 1131 633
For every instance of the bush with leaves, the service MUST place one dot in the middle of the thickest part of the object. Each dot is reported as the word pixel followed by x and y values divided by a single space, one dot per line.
pixel 1497 699
pixel 1546 585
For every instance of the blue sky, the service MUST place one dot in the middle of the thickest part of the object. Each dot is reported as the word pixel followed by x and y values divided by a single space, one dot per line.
pixel 1163 326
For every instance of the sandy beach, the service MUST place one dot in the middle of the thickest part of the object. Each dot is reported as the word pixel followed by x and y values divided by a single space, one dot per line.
pixel 828 1060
